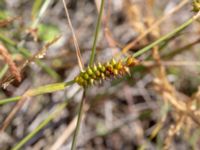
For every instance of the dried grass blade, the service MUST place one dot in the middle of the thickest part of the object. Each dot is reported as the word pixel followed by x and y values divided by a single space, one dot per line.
pixel 78 52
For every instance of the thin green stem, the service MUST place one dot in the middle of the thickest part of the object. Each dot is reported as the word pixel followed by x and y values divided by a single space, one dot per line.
pixel 167 36
pixel 92 56
pixel 80 114
pixel 39 91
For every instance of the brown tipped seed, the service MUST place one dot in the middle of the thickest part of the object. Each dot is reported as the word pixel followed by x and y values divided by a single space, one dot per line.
pixel 127 70
pixel 107 73
pixel 119 65
pixel 131 61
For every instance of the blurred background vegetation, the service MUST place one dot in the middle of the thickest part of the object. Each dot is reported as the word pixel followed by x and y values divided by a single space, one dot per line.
pixel 156 107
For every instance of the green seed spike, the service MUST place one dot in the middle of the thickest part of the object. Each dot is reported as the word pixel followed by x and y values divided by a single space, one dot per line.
pixel 101 67
pixel 76 79
pixel 107 73
pixel 115 72
pixel 109 70
pixel 113 62
pixel 103 76
pixel 127 70
pixel 89 71
pixel 86 76
pixel 85 83
pixel 98 73
pixel 119 65
pixel 91 81
pixel 94 76
pixel 94 68
pixel 196 5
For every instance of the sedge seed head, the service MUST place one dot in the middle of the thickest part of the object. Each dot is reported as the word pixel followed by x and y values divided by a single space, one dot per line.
pixel 196 5
pixel 109 70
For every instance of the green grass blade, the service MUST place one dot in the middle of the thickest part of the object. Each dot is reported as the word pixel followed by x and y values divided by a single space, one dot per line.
pixel 41 12
pixel 92 56
pixel 36 7
pixel 39 91
pixel 167 36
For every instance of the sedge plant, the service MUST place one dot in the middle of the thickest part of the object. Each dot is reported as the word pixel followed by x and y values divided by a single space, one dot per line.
pixel 92 75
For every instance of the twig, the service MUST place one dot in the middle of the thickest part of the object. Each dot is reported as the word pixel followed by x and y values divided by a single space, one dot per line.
pixel 78 52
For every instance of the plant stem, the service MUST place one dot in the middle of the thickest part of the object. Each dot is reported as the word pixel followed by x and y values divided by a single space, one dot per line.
pixel 167 36
pixel 96 34
pixel 38 91
pixel 80 113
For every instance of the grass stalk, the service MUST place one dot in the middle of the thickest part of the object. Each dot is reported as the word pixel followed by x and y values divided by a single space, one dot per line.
pixel 40 13
pixel 80 113
pixel 167 36
pixel 39 91
pixel 92 56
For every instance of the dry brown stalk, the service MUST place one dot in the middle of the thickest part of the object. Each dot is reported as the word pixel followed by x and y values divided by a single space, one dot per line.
pixel 40 54
pixel 78 52
pixel 173 130
pixel 157 23
pixel 12 113
pixel 8 59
